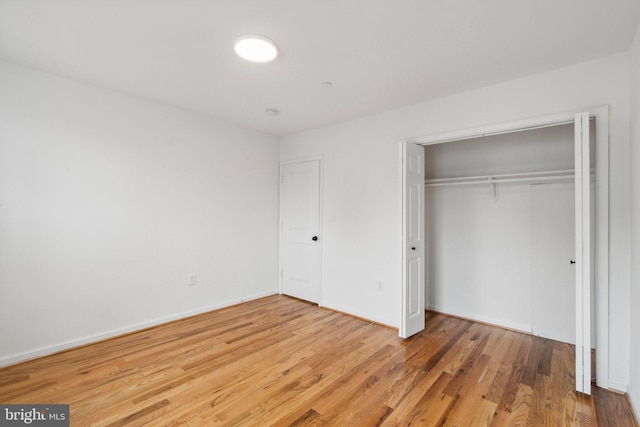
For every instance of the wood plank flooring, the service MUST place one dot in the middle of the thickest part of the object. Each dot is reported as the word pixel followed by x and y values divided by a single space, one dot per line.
pixel 284 362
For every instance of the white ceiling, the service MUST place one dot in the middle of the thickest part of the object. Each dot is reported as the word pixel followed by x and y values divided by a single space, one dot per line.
pixel 379 54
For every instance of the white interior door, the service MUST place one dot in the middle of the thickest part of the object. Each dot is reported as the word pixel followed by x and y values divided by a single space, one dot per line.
pixel 583 253
pixel 300 248
pixel 413 252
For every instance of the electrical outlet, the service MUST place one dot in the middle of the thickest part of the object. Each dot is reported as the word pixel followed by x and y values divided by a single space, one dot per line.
pixel 193 281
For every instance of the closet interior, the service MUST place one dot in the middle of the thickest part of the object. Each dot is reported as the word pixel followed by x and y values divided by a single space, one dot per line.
pixel 500 229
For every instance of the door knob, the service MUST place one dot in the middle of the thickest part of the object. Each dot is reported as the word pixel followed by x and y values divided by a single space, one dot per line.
pixel 413 248
pixel 314 238
pixel 572 262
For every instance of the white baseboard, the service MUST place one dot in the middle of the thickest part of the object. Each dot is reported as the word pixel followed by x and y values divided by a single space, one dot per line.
pixel 617 387
pixel 364 316
pixel 521 327
pixel 51 349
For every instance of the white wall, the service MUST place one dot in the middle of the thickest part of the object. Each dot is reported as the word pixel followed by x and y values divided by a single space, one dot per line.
pixel 109 204
pixel 479 253
pixel 362 184
pixel 634 386
pixel 538 150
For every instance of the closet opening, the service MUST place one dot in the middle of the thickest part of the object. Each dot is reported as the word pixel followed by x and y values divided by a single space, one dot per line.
pixel 500 230
pixel 507 208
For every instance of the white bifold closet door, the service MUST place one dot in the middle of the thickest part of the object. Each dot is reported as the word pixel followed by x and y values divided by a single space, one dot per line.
pixel 583 252
pixel 413 240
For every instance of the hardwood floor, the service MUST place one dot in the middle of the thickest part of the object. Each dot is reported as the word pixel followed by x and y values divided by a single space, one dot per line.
pixel 281 361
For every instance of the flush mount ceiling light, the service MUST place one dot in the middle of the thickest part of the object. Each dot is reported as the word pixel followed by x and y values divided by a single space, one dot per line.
pixel 256 48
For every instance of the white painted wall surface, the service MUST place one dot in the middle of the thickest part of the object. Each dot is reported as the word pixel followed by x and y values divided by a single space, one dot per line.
pixel 362 216
pixel 109 204
pixel 634 384
pixel 480 253
pixel 538 150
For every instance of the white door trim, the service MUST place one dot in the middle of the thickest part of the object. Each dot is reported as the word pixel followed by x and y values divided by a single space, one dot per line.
pixel 582 252
pixel 283 163
pixel 601 115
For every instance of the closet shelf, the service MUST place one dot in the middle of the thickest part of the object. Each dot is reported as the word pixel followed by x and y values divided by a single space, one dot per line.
pixel 547 176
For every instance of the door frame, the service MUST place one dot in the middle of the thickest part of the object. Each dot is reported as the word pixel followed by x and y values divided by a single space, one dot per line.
pixel 284 163
pixel 601 237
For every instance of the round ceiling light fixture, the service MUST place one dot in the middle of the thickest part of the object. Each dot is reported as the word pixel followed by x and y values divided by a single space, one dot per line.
pixel 255 48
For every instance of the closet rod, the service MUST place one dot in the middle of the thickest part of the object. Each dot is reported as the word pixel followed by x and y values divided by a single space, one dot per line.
pixel 496 180
pixel 558 175
pixel 500 176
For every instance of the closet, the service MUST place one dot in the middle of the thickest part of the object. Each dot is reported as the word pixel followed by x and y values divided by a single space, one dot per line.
pixel 500 229
pixel 496 206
